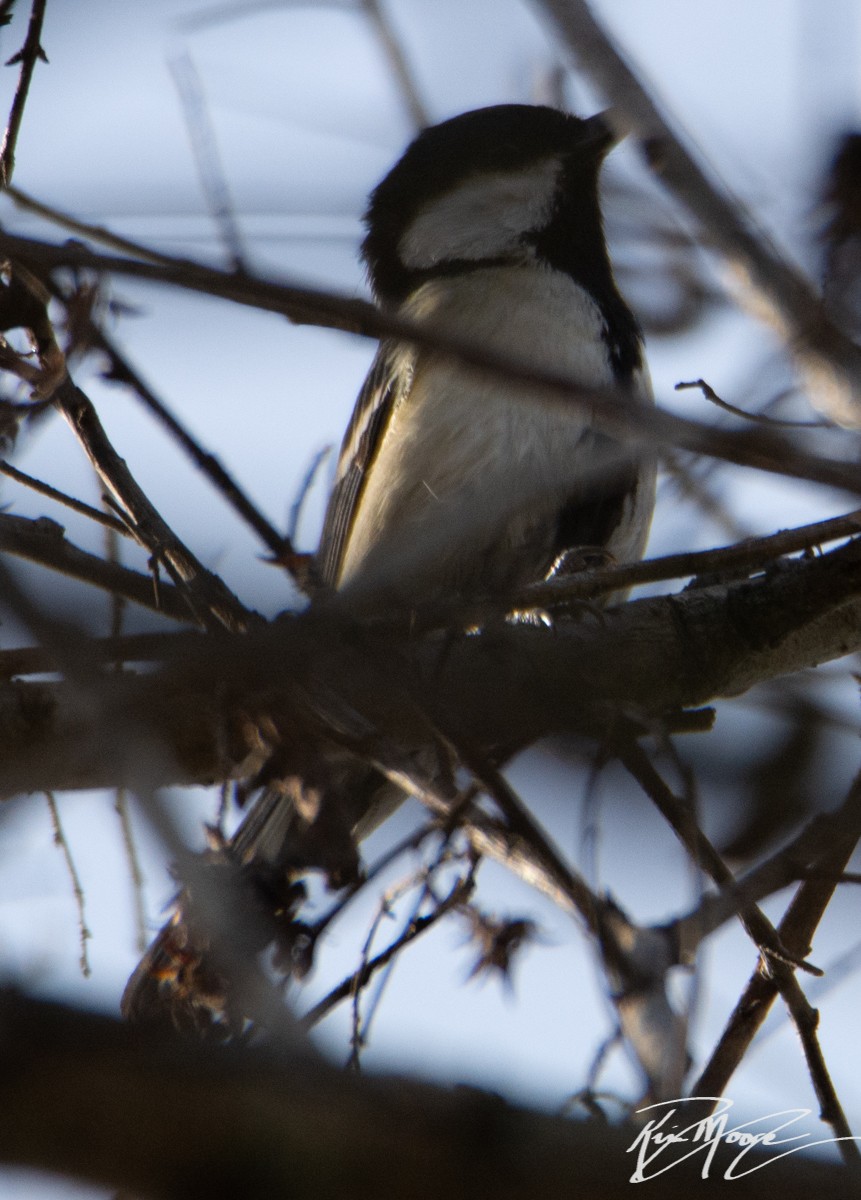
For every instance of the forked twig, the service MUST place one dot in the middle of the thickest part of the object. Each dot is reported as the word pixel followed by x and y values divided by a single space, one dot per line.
pixel 78 506
pixel 29 54
pixel 458 894
pixel 796 931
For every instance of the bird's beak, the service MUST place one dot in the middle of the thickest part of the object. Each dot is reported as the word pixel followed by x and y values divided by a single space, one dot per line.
pixel 603 132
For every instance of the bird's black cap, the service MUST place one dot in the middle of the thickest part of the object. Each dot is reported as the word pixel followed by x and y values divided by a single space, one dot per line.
pixel 503 137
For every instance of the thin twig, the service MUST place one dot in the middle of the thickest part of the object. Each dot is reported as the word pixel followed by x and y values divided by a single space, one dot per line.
pixel 614 413
pixel 412 842
pixel 66 642
pixel 806 1021
pixel 204 148
pixel 757 418
pixel 121 371
pixel 796 932
pixel 361 1029
pixel 811 846
pixel 384 909
pixel 84 229
pixel 28 56
pixel 79 506
pixel 751 554
pixel 112 555
pixel 60 840
pixel 397 63
pixel 42 541
pixel 786 298
pixel 303 491
pixel 525 828
pixel 703 855
pixel 121 808
pixel 458 894
pixel 121 800
pixel 209 600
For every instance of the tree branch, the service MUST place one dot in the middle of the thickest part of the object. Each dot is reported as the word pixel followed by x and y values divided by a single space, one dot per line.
pixel 645 659
pixel 43 541
pixel 28 56
pixel 86 1096
pixel 208 598
pixel 609 411
pixel 831 362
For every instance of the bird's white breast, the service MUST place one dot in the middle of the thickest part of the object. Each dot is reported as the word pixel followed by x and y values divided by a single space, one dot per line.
pixel 468 458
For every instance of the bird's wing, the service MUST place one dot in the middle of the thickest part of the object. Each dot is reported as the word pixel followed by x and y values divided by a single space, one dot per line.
pixel 386 384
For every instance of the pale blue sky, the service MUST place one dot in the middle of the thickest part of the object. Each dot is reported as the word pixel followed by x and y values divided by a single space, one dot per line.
pixel 306 120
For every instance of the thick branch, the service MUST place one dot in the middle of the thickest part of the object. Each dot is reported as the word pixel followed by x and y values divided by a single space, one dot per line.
pixel 643 660
pixel 86 1096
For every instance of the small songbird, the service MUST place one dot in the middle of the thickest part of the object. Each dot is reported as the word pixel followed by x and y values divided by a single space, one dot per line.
pixel 454 482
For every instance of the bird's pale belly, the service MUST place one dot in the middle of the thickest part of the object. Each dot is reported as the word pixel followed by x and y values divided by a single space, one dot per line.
pixel 472 471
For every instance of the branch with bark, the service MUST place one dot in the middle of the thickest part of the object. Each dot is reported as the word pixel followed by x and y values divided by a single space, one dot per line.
pixel 645 660
pixel 161 1116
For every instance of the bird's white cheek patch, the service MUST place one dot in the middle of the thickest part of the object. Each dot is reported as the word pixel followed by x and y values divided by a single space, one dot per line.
pixel 486 216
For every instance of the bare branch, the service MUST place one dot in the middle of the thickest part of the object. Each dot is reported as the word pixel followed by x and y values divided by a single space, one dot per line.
pixel 84 229
pixel 706 858
pixel 831 362
pixel 397 63
pixel 458 895
pixel 205 150
pixel 751 554
pixel 306 1131
pixel 28 56
pixel 121 371
pixel 758 418
pixel 121 808
pixel 61 841
pixel 636 662
pixel 43 541
pixel 45 489
pixel 614 413
pixel 209 600
pixel 796 931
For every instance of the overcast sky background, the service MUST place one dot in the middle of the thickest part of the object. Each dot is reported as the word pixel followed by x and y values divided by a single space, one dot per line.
pixel 307 119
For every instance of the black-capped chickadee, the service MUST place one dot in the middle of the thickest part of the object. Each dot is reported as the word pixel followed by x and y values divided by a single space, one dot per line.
pixel 453 482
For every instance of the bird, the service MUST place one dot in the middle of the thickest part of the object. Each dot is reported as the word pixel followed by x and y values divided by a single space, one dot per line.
pixel 452 482
pixel 456 483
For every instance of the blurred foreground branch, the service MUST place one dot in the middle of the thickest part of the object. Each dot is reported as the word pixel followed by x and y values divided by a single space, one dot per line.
pixel 200 718
pixel 780 293
pixel 609 410
pixel 88 1097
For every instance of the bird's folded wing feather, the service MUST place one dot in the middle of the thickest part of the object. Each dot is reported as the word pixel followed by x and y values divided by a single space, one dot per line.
pixel 386 384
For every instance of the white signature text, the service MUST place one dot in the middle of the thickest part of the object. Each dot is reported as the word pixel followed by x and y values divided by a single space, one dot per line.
pixel 666 1140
